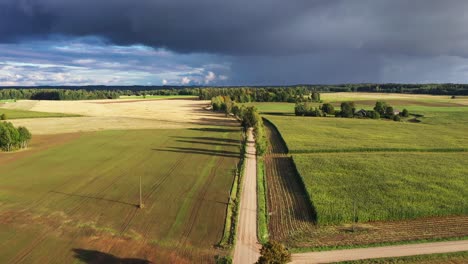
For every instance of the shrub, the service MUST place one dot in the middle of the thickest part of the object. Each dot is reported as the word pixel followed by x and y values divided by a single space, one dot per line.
pixel 380 107
pixel 396 118
pixel 389 111
pixel 274 253
pixel 404 113
pixel 3 117
pixel 374 115
pixel 328 109
pixel 347 109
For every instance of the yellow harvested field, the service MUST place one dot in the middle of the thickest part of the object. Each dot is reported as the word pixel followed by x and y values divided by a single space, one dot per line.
pixel 112 115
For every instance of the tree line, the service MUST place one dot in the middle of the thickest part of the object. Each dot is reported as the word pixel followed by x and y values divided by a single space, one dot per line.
pixel 249 117
pixel 348 110
pixel 254 94
pixel 84 94
pixel 241 94
pixel 12 138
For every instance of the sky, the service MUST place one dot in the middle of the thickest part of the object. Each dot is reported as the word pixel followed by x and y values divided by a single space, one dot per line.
pixel 242 42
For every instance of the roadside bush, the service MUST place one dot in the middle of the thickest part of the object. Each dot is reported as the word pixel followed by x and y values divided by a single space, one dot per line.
pixel 274 253
pixel 3 117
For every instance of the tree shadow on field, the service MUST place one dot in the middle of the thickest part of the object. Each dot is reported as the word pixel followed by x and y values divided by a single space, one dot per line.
pixel 221 153
pixel 214 129
pixel 95 198
pixel 94 256
pixel 223 140
pixel 207 143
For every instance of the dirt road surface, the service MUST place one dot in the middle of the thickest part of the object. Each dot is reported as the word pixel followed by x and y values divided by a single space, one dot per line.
pixel 380 252
pixel 247 247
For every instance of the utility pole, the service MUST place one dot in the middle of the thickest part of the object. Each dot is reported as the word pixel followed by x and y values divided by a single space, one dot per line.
pixel 141 200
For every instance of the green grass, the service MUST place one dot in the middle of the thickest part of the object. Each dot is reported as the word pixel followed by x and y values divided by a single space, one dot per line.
pixel 133 97
pixel 439 130
pixel 262 215
pixel 380 244
pixel 18 114
pixel 385 186
pixel 89 187
pixel 456 257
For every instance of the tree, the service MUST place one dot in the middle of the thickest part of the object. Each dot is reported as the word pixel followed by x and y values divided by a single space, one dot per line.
pixel 274 253
pixel 24 137
pixel 404 113
pixel 250 117
pixel 328 109
pixel 389 111
pixel 347 109
pixel 3 117
pixel 380 107
pixel 227 105
pixel 374 115
pixel 315 97
pixel 299 109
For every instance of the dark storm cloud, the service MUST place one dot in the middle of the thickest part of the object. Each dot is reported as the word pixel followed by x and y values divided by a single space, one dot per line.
pixel 242 41
pixel 246 27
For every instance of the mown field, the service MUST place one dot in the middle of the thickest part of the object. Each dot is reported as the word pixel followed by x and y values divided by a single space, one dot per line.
pixel 371 172
pixel 75 201
pixel 19 114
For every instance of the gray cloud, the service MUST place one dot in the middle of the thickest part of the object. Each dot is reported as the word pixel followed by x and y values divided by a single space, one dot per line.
pixel 255 42
pixel 262 27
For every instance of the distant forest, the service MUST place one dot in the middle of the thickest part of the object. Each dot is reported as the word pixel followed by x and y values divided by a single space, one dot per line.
pixel 240 94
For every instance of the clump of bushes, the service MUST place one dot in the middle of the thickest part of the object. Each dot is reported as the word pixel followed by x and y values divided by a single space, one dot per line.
pixel 12 138
pixel 3 117
pixel 307 109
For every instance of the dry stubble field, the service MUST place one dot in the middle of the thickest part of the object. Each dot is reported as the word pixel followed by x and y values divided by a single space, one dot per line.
pixel 72 197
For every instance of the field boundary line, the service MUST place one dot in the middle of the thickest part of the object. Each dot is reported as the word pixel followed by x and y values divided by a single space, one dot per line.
pixel 364 150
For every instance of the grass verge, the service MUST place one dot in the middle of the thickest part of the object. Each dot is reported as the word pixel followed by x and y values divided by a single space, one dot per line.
pixel 262 215
pixel 456 257
pixel 383 244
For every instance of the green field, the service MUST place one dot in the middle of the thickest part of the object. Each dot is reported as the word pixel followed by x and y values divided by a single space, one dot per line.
pixel 18 114
pixel 133 97
pixel 56 203
pixel 385 186
pixel 384 170
pixel 439 130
